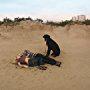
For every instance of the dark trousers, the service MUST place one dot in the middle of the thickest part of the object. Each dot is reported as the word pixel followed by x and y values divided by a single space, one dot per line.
pixel 40 59
pixel 43 59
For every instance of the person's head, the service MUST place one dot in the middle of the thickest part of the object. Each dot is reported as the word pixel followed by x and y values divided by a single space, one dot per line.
pixel 20 58
pixel 46 36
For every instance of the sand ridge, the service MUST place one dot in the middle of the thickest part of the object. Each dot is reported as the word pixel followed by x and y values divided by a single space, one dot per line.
pixel 74 41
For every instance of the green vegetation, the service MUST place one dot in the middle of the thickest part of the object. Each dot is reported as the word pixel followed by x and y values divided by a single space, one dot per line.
pixel 87 22
pixel 39 20
pixel 63 23
pixel 67 22
pixel 8 22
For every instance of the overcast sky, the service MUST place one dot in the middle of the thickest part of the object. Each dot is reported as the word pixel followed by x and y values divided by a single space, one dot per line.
pixel 44 9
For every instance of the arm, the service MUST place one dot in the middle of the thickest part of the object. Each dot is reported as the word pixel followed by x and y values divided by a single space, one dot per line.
pixel 23 66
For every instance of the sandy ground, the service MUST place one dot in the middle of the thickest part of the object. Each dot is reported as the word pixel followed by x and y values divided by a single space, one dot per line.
pixel 74 74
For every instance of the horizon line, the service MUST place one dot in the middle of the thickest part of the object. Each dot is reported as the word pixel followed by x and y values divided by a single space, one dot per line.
pixel 44 18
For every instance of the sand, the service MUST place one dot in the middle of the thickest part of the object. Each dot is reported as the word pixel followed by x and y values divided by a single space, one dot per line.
pixel 74 73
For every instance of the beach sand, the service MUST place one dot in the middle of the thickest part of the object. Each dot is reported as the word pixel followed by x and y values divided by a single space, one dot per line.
pixel 74 73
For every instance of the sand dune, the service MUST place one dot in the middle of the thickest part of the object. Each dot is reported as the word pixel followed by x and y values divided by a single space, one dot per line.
pixel 74 41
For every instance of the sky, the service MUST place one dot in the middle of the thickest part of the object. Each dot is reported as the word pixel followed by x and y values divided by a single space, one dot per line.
pixel 44 9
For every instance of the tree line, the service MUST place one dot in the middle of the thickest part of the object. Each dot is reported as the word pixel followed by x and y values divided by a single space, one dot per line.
pixel 8 21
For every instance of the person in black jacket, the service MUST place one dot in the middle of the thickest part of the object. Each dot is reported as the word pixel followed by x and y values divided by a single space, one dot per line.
pixel 52 45
pixel 29 59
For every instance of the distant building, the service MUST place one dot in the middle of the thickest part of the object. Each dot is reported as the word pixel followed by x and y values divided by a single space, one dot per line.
pixel 79 18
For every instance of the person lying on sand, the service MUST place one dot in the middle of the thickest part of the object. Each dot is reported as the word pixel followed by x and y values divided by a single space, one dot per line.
pixel 29 59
